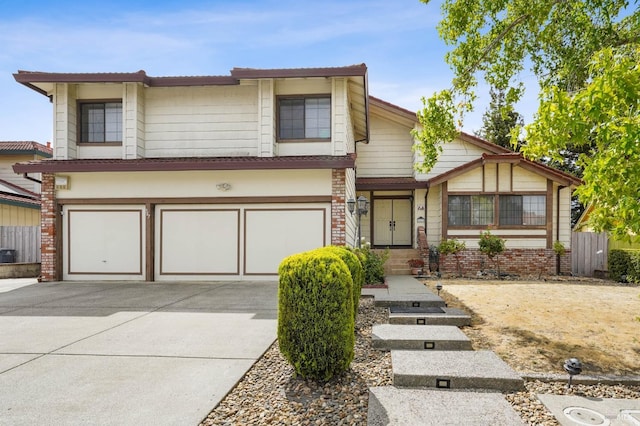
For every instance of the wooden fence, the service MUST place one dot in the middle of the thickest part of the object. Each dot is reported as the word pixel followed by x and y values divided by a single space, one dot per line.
pixel 589 253
pixel 25 240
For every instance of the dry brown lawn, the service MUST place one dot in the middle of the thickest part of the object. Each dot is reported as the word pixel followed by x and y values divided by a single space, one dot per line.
pixel 535 325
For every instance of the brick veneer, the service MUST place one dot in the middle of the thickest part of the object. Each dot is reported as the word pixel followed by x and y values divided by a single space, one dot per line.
pixel 338 200
pixel 48 229
pixel 521 262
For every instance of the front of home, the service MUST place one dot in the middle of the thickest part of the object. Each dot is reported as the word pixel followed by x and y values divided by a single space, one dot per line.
pixel 219 178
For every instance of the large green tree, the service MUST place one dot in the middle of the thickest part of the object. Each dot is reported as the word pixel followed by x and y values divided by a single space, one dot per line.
pixel 499 121
pixel 585 55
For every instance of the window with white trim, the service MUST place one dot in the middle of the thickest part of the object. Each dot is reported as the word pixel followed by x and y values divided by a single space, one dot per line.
pixel 100 122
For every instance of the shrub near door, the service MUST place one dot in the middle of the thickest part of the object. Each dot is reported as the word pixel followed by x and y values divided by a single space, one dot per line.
pixel 315 314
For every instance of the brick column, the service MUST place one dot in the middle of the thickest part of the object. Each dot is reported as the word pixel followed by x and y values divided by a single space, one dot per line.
pixel 48 229
pixel 338 206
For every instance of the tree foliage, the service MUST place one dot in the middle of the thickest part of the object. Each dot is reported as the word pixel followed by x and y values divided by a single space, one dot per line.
pixel 584 55
pixel 499 120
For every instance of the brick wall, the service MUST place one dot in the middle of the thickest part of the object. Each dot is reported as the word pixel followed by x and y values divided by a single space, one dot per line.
pixel 48 229
pixel 338 200
pixel 520 262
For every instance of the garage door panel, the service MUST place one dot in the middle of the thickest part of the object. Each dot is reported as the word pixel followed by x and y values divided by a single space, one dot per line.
pixel 106 242
pixel 199 241
pixel 273 234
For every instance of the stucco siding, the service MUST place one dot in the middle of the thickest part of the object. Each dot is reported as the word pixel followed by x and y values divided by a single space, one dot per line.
pixel 243 183
pixel 388 153
pixel 201 121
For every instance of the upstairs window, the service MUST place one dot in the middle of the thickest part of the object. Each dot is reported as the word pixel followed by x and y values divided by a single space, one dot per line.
pixel 469 210
pixel 529 210
pixel 304 118
pixel 101 122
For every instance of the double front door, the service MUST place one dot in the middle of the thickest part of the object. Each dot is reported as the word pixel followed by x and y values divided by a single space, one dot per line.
pixel 392 222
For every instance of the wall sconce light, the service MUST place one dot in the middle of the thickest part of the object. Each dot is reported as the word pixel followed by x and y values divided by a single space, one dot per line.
pixel 61 182
pixel 420 219
pixel 223 186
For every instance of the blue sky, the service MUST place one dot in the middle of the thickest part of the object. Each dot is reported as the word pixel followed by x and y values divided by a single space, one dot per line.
pixel 397 40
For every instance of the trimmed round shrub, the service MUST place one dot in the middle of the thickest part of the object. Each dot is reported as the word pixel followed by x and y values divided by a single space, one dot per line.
pixel 315 314
pixel 355 268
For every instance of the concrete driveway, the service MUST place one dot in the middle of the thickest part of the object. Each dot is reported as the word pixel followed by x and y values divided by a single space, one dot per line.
pixel 128 353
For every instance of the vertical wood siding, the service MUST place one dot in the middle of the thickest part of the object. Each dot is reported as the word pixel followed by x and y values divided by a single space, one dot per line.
pixel 25 240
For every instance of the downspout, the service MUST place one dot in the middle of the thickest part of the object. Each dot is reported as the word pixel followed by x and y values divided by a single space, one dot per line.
pixel 26 176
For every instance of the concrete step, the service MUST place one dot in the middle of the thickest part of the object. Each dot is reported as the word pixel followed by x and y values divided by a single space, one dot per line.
pixel 389 405
pixel 415 300
pixel 453 370
pixel 419 337
pixel 429 316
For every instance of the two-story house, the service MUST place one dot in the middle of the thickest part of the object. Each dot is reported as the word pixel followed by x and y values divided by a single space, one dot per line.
pixel 220 177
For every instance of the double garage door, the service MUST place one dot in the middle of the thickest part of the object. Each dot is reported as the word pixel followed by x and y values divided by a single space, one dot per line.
pixel 193 242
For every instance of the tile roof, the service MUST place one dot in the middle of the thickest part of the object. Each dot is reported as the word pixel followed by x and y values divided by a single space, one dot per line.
pixel 25 147
pixel 183 164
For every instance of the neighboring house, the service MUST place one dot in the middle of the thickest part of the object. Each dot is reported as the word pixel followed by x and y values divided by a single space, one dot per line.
pixel 20 196
pixel 205 178
pixel 20 202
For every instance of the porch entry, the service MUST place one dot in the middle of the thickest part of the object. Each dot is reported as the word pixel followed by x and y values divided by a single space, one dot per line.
pixel 392 222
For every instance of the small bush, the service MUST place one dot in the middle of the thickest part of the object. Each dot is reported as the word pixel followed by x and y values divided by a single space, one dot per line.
pixel 453 247
pixel 492 246
pixel 355 268
pixel 372 263
pixel 315 314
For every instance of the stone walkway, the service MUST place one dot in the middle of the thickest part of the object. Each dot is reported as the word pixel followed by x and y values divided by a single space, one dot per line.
pixel 438 379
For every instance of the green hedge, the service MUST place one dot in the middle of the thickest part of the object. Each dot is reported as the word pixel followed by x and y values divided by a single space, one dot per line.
pixel 624 265
pixel 315 314
pixel 355 268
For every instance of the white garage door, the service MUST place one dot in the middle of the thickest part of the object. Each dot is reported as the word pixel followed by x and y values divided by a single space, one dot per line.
pixel 272 235
pixel 209 242
pixel 103 242
pixel 198 241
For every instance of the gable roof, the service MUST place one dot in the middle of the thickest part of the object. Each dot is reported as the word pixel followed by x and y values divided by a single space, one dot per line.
pixel 513 158
pixel 25 147
pixel 410 115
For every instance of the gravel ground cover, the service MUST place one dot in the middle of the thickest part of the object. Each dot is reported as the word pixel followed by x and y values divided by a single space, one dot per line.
pixel 269 394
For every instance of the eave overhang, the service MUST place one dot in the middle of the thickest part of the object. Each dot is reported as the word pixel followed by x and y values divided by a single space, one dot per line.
pixel 388 184
pixel 187 164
